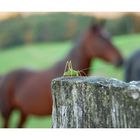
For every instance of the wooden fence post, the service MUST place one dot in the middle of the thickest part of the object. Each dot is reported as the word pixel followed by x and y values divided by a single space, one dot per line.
pixel 95 102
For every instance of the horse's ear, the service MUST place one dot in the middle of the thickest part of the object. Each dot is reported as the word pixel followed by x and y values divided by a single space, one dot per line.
pixel 98 24
pixel 95 27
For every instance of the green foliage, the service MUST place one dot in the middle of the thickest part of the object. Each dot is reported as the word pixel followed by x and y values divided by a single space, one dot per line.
pixel 58 27
pixel 41 28
pixel 129 23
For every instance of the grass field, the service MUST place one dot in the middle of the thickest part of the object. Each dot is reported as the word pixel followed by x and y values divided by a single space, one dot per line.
pixel 42 56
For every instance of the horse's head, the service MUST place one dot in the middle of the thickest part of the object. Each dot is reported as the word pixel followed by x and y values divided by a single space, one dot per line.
pixel 98 44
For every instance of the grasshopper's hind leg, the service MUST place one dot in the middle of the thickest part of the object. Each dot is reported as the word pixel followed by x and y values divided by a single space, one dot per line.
pixel 84 74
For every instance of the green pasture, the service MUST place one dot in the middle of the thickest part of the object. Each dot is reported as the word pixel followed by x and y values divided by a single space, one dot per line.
pixel 44 55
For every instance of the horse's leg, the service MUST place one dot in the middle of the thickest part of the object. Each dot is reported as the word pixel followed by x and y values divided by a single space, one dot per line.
pixel 6 121
pixel 6 117
pixel 23 118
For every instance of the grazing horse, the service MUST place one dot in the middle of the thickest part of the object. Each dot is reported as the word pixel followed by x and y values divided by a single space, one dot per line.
pixel 132 67
pixel 30 92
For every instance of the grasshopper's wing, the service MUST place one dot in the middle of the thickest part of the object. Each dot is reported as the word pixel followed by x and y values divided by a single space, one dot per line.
pixel 69 65
pixel 70 68
pixel 66 66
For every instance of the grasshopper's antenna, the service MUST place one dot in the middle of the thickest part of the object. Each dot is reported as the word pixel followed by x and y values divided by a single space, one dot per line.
pixel 86 69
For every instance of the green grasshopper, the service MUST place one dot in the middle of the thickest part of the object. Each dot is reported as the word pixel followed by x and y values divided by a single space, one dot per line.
pixel 70 71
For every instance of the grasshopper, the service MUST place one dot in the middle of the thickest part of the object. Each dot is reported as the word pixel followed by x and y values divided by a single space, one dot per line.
pixel 70 71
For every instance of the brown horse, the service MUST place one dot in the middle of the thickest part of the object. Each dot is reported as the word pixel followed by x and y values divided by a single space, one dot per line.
pixel 0 79
pixel 30 92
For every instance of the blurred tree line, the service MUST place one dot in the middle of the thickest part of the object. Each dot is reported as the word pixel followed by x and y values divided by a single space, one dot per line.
pixel 129 23
pixel 58 27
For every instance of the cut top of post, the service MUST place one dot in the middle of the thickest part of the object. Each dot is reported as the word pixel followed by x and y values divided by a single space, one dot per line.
pixel 98 80
pixel 95 102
